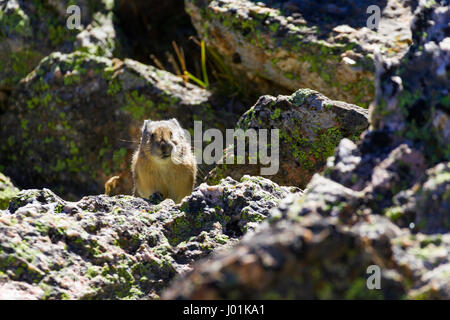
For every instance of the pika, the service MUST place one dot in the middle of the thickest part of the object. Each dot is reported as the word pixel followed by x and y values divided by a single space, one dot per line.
pixel 163 162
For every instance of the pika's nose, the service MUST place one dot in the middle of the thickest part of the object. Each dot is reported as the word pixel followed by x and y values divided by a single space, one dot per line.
pixel 166 149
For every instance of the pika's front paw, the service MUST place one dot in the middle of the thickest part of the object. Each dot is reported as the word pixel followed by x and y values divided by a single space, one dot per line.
pixel 111 184
pixel 156 198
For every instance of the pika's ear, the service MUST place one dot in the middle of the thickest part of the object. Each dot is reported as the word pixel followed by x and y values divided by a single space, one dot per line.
pixel 145 125
pixel 175 121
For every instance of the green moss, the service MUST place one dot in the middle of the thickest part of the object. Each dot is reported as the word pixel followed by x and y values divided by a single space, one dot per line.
pixel 249 116
pixel 312 153
pixel 57 34
pixel 274 27
pixel 65 296
pixel 276 114
pixel 7 191
pixel 14 22
pixel 358 290
pixel 72 78
pixel 119 157
pixel 435 240
pixel 181 227
pixel 48 290
pixel 139 106
pixel 17 66
pixel 114 87
pixel 42 227
pixel 92 272
pixel 394 213
pixel 299 97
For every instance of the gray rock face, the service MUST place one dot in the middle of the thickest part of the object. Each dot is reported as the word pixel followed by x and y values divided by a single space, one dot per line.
pixel 310 127
pixel 319 245
pixel 317 258
pixel 413 94
pixel 309 252
pixel 323 45
pixel 381 202
pixel 75 120
pixel 121 247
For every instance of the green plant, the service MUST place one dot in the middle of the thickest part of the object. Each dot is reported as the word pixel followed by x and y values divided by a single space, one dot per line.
pixel 210 64
pixel 205 82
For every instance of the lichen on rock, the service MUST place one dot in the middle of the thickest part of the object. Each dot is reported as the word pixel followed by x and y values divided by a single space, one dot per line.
pixel 7 191
pixel 304 44
pixel 75 120
pixel 121 247
pixel 310 127
pixel 31 30
pixel 382 202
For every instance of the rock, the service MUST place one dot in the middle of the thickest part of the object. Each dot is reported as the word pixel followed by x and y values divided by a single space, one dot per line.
pixel 425 206
pixel 310 127
pixel 303 255
pixel 433 201
pixel 413 94
pixel 304 44
pixel 383 201
pixel 26 36
pixel 75 120
pixel 101 36
pixel 7 191
pixel 121 247
pixel 312 258
pixel 320 245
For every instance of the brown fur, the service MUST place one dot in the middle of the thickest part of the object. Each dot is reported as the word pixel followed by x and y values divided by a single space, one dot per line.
pixel 154 171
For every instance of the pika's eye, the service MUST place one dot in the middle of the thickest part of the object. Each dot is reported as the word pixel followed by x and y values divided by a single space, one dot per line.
pixel 152 136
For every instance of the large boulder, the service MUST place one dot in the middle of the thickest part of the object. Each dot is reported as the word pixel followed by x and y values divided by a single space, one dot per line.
pixel 310 127
pixel 327 242
pixel 321 45
pixel 31 30
pixel 305 252
pixel 381 203
pixel 413 94
pixel 121 247
pixel 75 120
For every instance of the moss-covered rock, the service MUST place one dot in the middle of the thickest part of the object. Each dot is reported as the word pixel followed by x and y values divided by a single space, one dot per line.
pixel 120 247
pixel 383 201
pixel 304 44
pixel 413 98
pixel 312 257
pixel 7 191
pixel 425 207
pixel 320 245
pixel 75 120
pixel 310 127
pixel 31 30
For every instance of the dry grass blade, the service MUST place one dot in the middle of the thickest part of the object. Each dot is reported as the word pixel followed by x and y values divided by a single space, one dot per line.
pixel 157 62
pixel 174 64
pixel 180 55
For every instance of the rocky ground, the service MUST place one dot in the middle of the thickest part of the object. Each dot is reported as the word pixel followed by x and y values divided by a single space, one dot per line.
pixel 356 187
pixel 121 247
